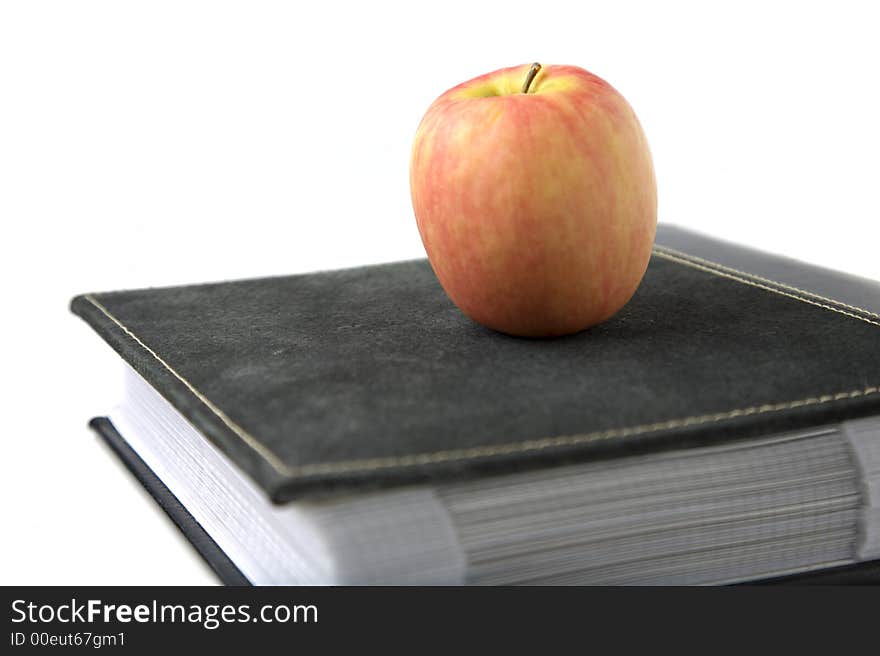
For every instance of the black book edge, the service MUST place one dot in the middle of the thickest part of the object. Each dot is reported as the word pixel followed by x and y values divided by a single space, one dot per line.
pixel 216 558
pixel 867 573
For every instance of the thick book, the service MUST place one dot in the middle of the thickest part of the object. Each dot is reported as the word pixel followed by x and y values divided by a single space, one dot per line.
pixel 354 427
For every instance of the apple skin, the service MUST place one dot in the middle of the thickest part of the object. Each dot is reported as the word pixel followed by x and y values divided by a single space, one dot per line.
pixel 537 210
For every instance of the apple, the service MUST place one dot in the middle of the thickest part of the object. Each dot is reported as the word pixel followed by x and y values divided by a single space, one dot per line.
pixel 535 198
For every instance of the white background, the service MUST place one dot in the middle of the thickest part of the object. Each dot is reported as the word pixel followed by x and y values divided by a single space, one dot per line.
pixel 153 143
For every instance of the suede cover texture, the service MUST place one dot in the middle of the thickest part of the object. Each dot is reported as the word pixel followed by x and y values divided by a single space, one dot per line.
pixel 371 377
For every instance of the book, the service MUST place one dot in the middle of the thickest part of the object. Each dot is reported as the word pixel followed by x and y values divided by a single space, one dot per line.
pixel 353 427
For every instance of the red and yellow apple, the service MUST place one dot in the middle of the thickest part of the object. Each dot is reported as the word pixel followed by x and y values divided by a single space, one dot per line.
pixel 535 198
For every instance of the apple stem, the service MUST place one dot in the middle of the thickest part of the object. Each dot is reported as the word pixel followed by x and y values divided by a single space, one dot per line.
pixel 530 76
